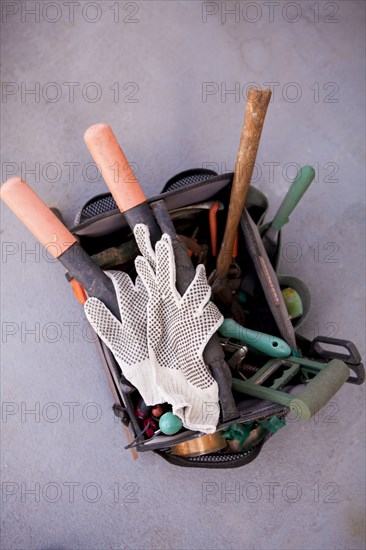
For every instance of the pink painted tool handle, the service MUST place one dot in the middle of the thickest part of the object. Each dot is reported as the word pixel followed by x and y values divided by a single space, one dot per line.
pixel 36 216
pixel 114 166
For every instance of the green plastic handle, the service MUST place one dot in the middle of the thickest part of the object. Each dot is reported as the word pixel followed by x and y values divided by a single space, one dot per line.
pixel 265 343
pixel 317 393
pixel 320 389
pixel 300 184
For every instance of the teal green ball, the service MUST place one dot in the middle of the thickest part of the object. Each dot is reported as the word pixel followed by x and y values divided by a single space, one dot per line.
pixel 170 423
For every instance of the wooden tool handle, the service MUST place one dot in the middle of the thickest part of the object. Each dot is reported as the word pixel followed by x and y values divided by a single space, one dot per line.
pixel 36 216
pixel 255 113
pixel 114 166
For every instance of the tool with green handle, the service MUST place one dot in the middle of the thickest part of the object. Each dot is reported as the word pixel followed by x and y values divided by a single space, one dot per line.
pixel 268 280
pixel 301 183
pixel 267 383
pixel 259 341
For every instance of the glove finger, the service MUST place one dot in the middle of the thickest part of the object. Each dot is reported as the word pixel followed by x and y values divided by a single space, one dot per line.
pixel 211 319
pixel 125 290
pixel 141 289
pixel 142 236
pixel 165 269
pixel 146 275
pixel 198 293
pixel 105 324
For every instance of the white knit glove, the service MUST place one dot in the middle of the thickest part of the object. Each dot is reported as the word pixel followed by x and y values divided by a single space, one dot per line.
pixel 178 329
pixel 127 339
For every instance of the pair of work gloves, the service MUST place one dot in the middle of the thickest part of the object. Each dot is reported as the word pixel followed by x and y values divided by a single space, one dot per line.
pixel 160 339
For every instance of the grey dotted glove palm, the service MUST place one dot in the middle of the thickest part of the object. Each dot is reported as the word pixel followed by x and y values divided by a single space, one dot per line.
pixel 127 339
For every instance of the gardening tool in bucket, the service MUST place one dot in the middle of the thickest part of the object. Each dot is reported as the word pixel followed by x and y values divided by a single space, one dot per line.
pixel 271 231
pixel 131 200
pixel 256 109
pixel 59 241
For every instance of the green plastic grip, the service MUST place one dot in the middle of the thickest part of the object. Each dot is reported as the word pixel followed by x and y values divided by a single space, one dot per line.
pixel 265 343
pixel 320 389
pixel 301 183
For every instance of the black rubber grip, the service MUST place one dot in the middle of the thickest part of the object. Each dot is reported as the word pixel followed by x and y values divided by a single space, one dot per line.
pixel 96 283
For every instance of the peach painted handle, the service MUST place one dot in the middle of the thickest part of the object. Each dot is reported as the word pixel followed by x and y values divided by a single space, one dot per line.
pixel 36 216
pixel 116 171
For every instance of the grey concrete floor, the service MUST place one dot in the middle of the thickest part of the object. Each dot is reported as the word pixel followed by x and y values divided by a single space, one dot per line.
pixel 160 73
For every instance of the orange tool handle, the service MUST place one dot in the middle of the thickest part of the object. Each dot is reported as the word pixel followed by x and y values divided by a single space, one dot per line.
pixel 213 231
pixel 114 166
pixel 59 241
pixel 120 178
pixel 213 227
pixel 79 291
pixel 37 216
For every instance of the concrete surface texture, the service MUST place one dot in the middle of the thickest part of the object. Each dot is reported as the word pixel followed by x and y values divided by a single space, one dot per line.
pixel 171 78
